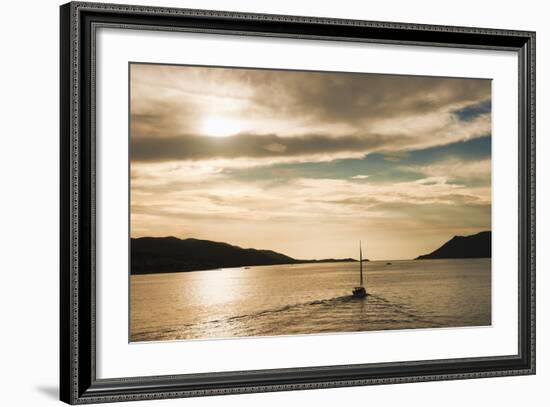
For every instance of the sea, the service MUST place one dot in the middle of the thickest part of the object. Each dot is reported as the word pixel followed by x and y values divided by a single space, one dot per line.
pixel 310 298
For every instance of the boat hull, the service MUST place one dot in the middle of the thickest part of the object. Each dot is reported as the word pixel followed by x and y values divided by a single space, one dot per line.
pixel 359 292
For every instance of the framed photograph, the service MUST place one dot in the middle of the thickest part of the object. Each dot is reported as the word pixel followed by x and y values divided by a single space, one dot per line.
pixel 254 203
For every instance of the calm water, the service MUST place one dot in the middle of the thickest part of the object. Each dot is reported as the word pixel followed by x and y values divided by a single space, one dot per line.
pixel 310 298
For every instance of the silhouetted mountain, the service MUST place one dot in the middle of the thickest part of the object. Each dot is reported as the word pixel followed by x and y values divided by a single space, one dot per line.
pixel 463 247
pixel 170 254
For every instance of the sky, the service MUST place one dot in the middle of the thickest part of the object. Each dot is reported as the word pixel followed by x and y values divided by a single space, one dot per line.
pixel 309 163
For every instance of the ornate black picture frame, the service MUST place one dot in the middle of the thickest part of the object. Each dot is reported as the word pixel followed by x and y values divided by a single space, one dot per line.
pixel 78 381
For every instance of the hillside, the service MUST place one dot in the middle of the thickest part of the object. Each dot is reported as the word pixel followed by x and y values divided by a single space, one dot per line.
pixel 170 254
pixel 463 247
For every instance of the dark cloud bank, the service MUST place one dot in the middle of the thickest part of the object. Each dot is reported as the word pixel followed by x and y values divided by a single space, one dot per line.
pixel 191 147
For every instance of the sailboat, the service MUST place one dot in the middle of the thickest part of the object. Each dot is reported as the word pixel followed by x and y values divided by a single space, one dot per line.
pixel 360 292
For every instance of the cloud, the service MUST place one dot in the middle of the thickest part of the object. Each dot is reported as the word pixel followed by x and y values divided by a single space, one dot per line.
pixel 192 147
pixel 370 97
pixel 324 97
pixel 472 173
pixel 299 148
pixel 171 101
pixel 276 148
pixel 451 160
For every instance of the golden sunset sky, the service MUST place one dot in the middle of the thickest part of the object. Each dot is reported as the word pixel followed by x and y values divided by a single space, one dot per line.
pixel 309 163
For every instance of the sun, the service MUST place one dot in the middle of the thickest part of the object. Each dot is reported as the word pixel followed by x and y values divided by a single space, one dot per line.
pixel 219 126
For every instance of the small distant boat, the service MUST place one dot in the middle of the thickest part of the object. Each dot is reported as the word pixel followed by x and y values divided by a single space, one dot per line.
pixel 360 292
pixel 388 264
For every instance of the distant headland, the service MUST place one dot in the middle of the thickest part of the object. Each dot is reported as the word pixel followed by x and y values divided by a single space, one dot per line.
pixel 169 254
pixel 463 247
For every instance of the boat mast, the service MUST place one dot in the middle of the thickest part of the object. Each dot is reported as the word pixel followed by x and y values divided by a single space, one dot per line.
pixel 360 265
